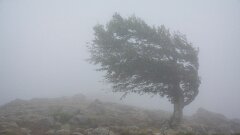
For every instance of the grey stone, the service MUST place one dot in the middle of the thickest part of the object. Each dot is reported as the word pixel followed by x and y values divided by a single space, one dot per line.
pixel 76 133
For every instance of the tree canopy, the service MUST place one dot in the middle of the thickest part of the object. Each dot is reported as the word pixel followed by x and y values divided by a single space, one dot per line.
pixel 145 59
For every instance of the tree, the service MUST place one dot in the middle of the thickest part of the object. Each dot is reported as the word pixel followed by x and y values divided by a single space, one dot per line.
pixel 139 58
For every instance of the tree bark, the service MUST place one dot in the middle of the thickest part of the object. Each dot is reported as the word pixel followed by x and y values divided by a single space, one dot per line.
pixel 177 116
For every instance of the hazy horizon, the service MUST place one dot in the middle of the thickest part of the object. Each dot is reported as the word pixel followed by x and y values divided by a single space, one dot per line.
pixel 43 48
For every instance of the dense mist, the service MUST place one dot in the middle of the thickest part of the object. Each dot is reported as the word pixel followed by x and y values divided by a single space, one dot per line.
pixel 43 49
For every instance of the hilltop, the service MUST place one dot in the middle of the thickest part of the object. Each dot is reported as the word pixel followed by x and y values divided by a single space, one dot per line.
pixel 77 115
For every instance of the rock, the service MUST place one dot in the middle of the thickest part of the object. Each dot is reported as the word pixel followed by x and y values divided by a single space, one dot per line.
pixel 99 131
pixel 11 128
pixel 79 130
pixel 50 132
pixel 26 131
pixel 182 130
pixel 150 132
pixel 4 125
pixel 73 115
pixel 76 133
pixel 206 117
pixel 79 119
pixel 47 122
pixel 97 107
pixel 205 121
pixel 133 128
pixel 63 132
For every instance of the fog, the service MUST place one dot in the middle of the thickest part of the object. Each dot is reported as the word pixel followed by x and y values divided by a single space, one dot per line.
pixel 43 49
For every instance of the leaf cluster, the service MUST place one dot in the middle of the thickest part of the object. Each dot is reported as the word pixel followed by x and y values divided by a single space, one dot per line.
pixel 145 59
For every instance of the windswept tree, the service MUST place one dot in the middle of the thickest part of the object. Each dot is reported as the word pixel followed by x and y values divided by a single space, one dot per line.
pixel 138 58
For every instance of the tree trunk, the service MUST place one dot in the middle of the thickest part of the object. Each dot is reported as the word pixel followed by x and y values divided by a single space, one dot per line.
pixel 177 116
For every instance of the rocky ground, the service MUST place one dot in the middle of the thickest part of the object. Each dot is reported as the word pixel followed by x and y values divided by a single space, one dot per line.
pixel 79 116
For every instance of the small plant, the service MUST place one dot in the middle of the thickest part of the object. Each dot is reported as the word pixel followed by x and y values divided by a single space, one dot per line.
pixel 62 117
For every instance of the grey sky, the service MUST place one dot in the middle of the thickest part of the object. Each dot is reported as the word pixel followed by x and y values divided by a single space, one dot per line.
pixel 43 48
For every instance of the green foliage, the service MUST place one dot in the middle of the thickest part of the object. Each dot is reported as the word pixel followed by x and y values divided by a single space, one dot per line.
pixel 61 116
pixel 143 59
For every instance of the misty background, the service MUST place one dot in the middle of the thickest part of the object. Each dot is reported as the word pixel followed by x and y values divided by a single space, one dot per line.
pixel 43 49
